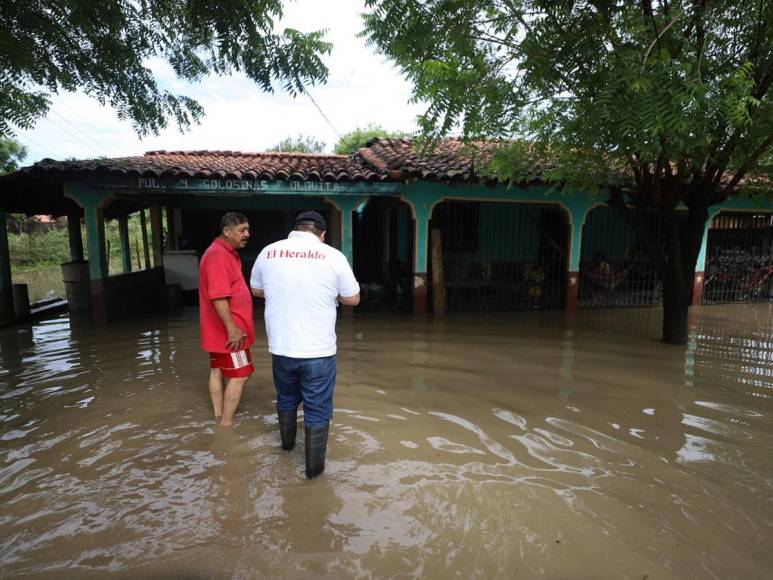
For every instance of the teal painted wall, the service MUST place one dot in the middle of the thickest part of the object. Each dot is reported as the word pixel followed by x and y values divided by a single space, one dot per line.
pixel 403 229
pixel 422 195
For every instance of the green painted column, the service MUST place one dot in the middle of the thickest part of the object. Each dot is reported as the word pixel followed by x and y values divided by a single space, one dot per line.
pixel 423 202
pixel 95 235
pixel 423 196
pixel 123 233
pixel 6 283
pixel 578 206
pixel 92 202
pixel 744 204
pixel 347 205
pixel 347 235
pixel 700 264
pixel 423 212
pixel 699 280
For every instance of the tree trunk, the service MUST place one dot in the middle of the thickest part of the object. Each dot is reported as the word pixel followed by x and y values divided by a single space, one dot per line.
pixel 675 308
pixel 676 260
pixel 684 237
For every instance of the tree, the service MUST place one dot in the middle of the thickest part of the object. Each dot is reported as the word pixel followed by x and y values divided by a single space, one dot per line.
pixel 11 154
pixel 350 142
pixel 106 49
pixel 299 144
pixel 662 106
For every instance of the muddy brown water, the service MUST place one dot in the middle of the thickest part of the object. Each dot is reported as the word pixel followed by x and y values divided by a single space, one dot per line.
pixel 42 284
pixel 502 446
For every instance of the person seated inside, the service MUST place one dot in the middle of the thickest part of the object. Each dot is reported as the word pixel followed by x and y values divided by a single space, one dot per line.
pixel 535 276
pixel 603 267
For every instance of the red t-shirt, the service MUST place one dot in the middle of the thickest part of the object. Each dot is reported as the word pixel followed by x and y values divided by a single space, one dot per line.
pixel 220 276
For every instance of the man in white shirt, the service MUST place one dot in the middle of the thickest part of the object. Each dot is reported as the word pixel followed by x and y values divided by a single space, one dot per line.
pixel 302 279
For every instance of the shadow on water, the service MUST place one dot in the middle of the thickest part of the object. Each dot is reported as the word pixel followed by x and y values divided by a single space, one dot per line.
pixel 518 445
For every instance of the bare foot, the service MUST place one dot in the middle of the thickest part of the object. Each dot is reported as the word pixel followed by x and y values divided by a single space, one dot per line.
pixel 226 425
pixel 218 418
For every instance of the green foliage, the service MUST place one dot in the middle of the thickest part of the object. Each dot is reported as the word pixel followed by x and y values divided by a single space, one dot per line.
pixel 11 154
pixel 299 144
pixel 39 249
pixel 350 142
pixel 653 103
pixel 106 49
pixel 672 98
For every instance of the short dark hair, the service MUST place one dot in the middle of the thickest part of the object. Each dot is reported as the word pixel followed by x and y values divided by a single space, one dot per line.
pixel 308 227
pixel 312 217
pixel 231 219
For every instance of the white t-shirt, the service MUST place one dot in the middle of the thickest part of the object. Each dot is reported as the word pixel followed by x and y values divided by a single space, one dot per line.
pixel 301 278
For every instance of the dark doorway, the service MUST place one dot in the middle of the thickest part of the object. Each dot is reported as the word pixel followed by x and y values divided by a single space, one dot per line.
pixel 502 256
pixel 739 259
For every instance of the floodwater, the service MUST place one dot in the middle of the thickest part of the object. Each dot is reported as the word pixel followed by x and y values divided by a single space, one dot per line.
pixel 43 283
pixel 507 446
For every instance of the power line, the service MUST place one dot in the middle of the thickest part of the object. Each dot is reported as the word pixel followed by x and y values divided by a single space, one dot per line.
pixel 81 141
pixel 43 147
pixel 89 125
pixel 82 132
pixel 321 112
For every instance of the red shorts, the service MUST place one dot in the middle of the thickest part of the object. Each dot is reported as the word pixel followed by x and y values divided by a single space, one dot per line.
pixel 232 364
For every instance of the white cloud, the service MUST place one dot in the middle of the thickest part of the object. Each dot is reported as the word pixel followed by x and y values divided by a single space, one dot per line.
pixel 362 88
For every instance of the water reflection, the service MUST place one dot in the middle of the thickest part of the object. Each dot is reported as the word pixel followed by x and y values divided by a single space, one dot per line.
pixel 472 446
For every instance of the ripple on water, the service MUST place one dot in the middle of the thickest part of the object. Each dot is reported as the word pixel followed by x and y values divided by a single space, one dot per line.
pixel 473 446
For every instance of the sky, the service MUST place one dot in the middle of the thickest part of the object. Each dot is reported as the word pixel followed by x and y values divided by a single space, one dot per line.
pixel 362 88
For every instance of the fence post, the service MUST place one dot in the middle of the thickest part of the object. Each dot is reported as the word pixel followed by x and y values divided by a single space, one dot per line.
pixel 126 251
pixel 75 237
pixel 157 235
pixel 145 245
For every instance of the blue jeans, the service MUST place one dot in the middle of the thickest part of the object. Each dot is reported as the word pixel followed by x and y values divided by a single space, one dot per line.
pixel 310 380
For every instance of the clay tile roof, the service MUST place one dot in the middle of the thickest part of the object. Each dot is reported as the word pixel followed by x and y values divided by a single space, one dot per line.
pixel 380 160
pixel 219 164
pixel 450 159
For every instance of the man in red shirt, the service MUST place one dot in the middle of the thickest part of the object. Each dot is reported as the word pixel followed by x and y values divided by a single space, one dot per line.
pixel 225 317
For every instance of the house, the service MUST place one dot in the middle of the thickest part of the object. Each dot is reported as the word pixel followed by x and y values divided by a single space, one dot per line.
pixel 411 221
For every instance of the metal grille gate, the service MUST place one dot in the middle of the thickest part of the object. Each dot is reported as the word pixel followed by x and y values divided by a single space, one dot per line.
pixel 614 268
pixel 502 256
pixel 739 259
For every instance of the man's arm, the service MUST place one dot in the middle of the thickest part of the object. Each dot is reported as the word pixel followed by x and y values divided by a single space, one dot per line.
pixel 235 335
pixel 350 300
pixel 348 287
pixel 256 277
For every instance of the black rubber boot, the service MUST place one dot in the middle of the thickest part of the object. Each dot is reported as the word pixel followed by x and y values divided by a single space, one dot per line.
pixel 288 427
pixel 316 447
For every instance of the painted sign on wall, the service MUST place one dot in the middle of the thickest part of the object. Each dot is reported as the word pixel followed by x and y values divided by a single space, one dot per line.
pixel 237 185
